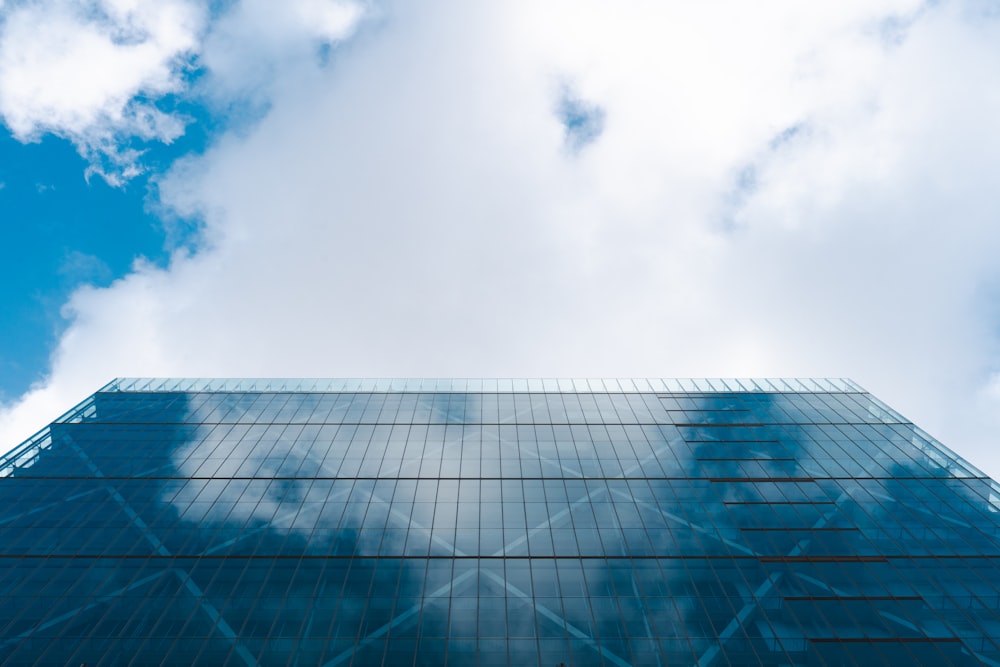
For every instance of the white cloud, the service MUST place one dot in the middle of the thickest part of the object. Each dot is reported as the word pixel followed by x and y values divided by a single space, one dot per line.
pixel 412 210
pixel 76 69
pixel 92 71
pixel 258 42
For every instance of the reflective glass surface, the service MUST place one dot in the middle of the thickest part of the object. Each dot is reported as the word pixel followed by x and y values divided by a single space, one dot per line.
pixel 494 522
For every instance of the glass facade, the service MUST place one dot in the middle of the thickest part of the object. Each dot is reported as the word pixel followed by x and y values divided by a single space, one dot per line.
pixel 494 522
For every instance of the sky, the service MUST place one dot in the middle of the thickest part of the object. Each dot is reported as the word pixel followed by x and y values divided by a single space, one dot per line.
pixel 325 188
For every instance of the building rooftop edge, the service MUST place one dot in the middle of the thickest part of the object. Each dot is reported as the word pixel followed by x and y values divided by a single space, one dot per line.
pixel 489 385
pixel 24 453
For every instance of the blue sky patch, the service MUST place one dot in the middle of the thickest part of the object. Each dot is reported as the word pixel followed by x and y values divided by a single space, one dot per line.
pixel 583 121
pixel 60 231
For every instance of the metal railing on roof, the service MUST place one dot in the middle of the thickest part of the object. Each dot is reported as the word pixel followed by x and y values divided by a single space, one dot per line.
pixel 488 385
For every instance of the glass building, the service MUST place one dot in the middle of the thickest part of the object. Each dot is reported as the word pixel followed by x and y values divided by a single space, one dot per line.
pixel 494 522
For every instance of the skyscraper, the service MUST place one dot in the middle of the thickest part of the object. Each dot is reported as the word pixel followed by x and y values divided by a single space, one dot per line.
pixel 494 522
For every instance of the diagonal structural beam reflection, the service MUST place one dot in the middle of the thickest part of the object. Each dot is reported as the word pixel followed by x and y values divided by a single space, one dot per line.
pixel 185 578
pixel 505 550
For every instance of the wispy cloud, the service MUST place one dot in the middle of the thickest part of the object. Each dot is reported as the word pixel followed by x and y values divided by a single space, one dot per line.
pixel 91 72
pixel 79 267
pixel 97 72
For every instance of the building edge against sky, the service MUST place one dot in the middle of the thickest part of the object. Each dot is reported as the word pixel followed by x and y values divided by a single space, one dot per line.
pixel 474 385
pixel 257 521
pixel 527 385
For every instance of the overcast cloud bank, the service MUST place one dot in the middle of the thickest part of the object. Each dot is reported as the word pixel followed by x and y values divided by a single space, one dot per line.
pixel 762 191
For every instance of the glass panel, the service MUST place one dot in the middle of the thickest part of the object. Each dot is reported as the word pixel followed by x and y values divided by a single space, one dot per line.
pixel 536 521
